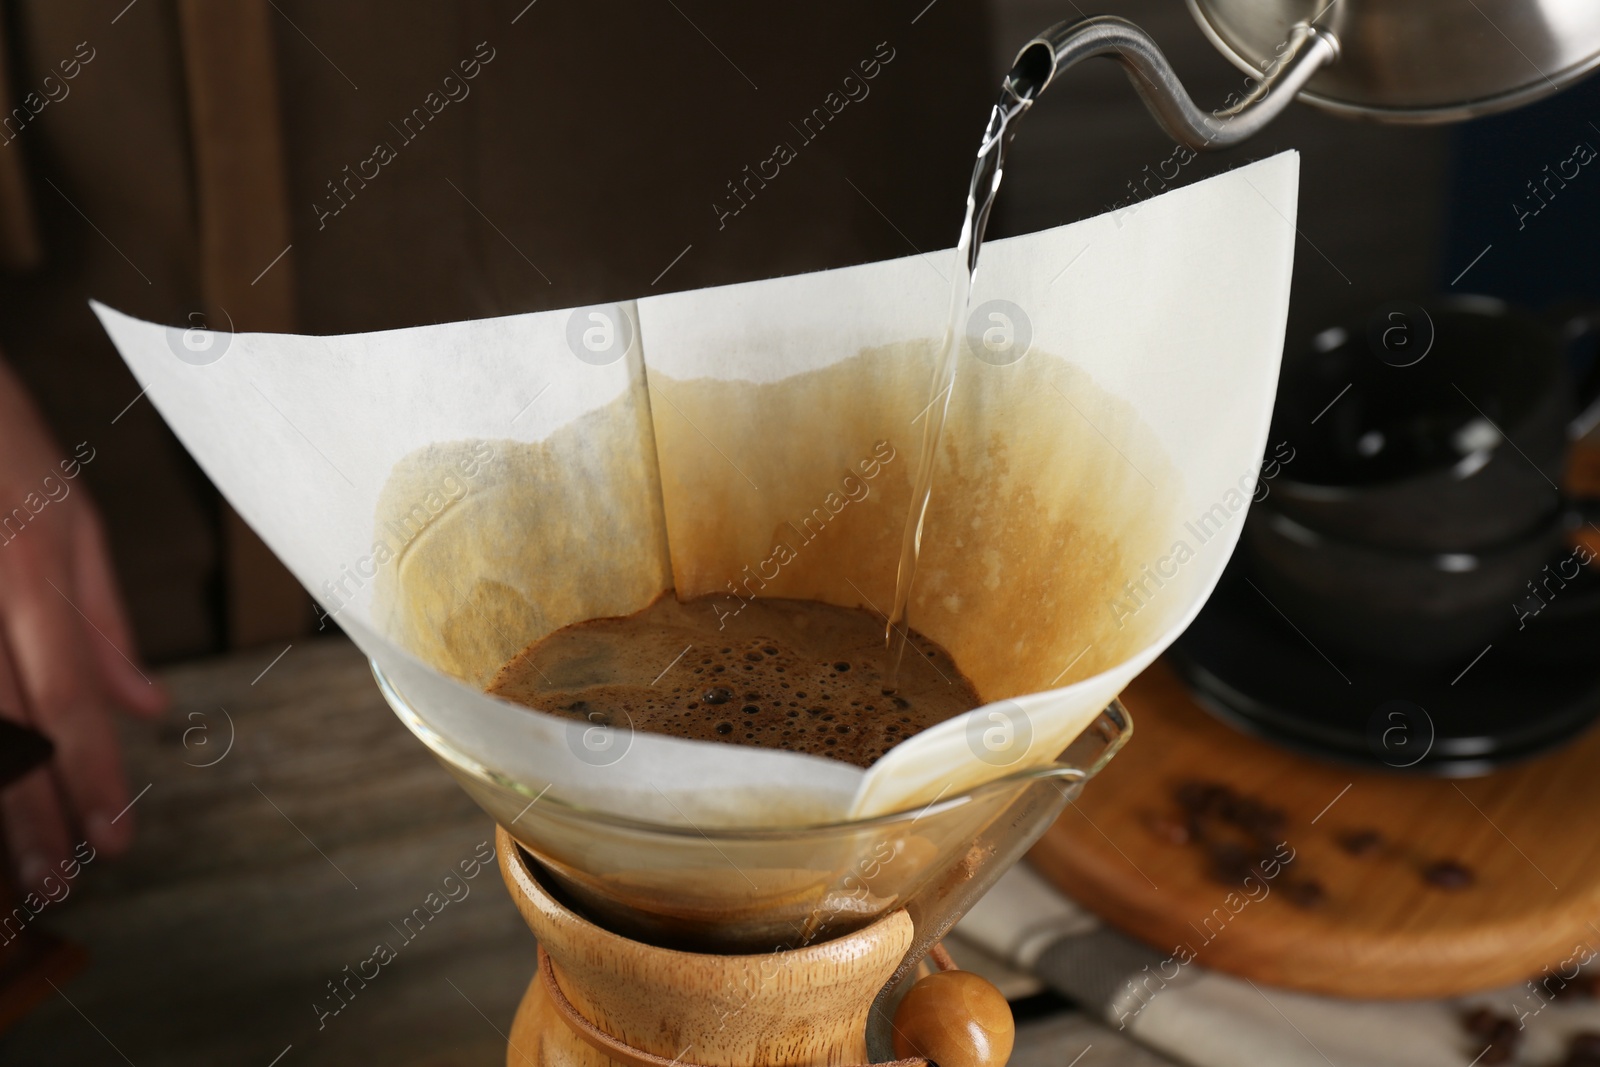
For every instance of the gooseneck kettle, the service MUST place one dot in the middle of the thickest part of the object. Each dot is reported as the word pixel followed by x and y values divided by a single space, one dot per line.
pixel 1410 61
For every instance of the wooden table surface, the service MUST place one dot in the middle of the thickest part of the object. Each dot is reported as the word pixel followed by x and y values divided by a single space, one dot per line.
pixel 256 879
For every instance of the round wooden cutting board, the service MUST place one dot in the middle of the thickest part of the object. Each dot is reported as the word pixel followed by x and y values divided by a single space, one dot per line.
pixel 1529 834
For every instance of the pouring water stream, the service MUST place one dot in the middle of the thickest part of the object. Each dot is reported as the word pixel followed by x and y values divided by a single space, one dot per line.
pixel 1017 94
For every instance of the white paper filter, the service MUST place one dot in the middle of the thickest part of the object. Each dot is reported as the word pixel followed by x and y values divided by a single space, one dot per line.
pixel 452 493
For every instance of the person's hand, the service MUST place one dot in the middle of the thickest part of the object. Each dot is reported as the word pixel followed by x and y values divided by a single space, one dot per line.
pixel 66 652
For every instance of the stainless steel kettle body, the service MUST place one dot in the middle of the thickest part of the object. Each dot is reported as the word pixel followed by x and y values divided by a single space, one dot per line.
pixel 1391 60
pixel 1418 60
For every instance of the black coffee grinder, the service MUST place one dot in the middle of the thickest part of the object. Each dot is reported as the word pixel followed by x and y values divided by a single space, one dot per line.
pixel 1408 592
pixel 1414 589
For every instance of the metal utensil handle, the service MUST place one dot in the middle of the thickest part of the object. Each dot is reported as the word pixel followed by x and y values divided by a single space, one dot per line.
pixel 1067 43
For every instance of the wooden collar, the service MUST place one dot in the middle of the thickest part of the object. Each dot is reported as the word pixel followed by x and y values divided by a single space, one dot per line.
pixel 607 1045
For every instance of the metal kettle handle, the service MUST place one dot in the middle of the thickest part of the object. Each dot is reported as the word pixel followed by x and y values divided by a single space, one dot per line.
pixel 1065 44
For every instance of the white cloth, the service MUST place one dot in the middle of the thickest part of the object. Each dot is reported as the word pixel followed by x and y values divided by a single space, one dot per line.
pixel 1209 1019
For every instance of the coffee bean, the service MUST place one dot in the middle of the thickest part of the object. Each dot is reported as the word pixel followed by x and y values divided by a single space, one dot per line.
pixel 1239 834
pixel 1305 894
pixel 1501 1033
pixel 1480 1022
pixel 1501 1050
pixel 1578 987
pixel 1201 797
pixel 1166 828
pixel 1203 801
pixel 1256 818
pixel 1497 1053
pixel 1229 863
pixel 1360 842
pixel 1447 875
pixel 717 695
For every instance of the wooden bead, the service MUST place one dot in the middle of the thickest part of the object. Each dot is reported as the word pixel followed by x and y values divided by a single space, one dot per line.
pixel 955 1019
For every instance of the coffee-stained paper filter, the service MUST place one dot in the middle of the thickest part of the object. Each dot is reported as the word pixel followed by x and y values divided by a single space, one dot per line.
pixel 452 493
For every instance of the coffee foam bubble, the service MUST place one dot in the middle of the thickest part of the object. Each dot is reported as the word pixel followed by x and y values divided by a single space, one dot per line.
pixel 790 674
